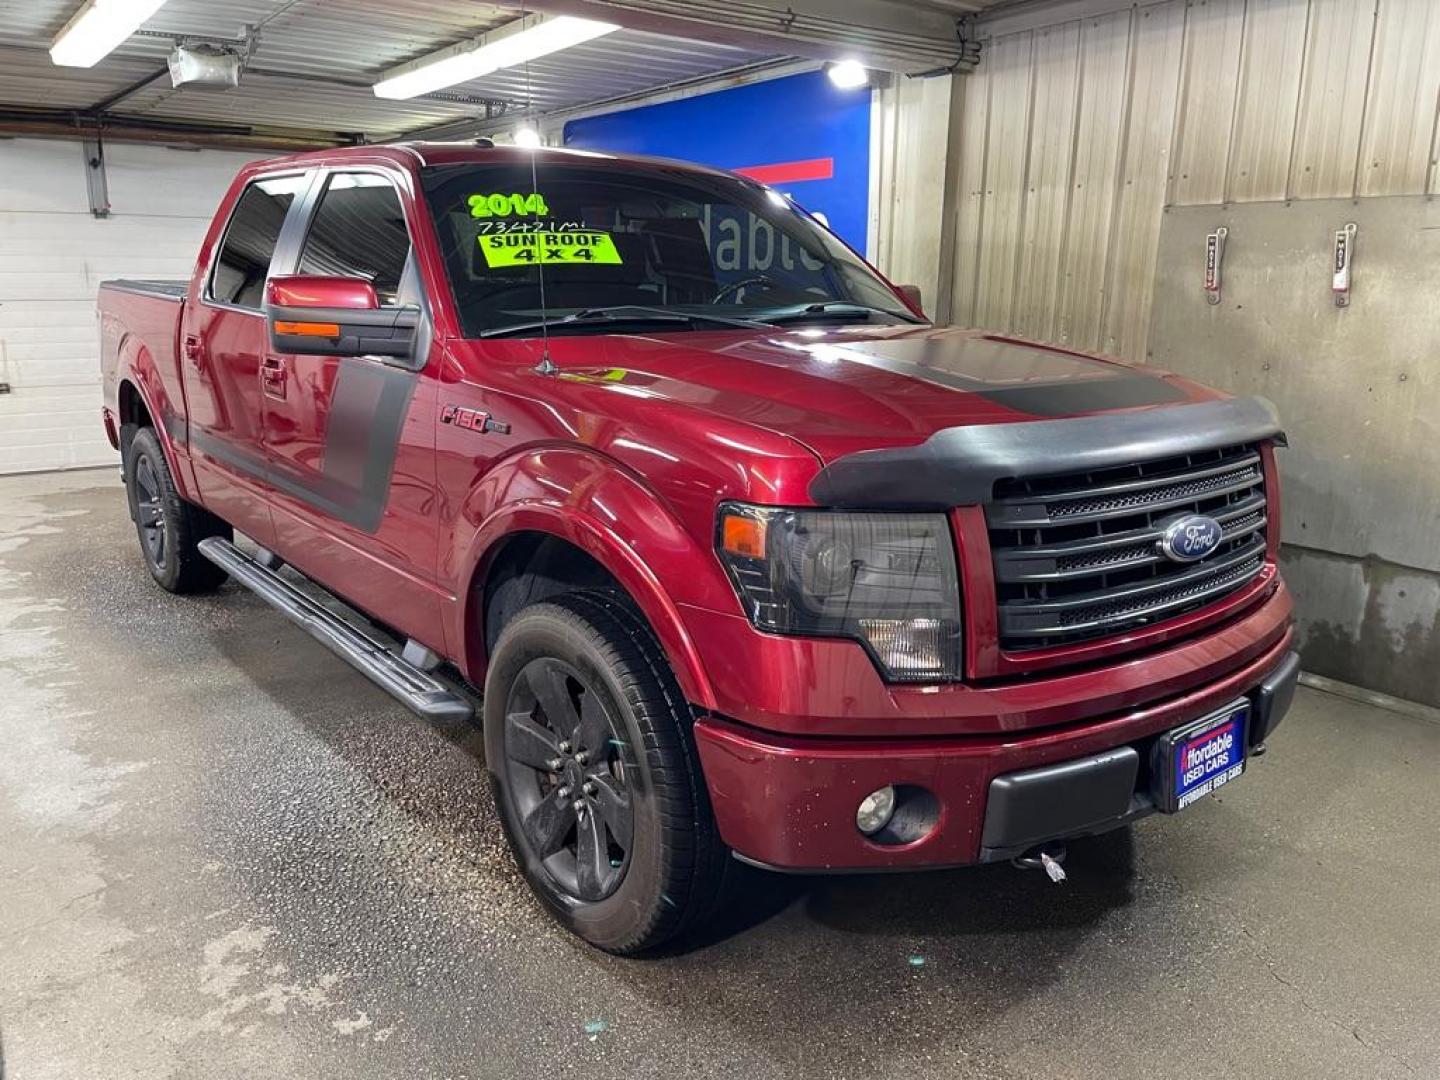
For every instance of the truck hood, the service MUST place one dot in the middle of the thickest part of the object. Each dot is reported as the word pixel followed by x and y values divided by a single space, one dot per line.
pixel 847 390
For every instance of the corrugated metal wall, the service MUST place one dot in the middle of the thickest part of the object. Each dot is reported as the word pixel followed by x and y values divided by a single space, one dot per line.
pixel 909 131
pixel 1074 136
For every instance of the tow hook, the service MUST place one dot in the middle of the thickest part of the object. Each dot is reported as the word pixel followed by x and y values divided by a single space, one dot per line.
pixel 1047 858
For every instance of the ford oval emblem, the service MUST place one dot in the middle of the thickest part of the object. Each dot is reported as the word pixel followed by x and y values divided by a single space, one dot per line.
pixel 1190 538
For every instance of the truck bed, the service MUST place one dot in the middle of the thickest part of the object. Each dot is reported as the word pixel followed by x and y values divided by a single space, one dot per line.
pixel 166 289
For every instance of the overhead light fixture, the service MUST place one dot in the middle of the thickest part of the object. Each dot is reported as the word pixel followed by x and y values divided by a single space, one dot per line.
pixel 848 74
pixel 529 138
pixel 97 28
pixel 508 46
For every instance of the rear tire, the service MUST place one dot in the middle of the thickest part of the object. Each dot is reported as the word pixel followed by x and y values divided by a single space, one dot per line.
pixel 598 787
pixel 168 527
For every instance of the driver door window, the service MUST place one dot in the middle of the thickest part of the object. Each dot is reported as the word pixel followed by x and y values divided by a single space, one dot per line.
pixel 359 231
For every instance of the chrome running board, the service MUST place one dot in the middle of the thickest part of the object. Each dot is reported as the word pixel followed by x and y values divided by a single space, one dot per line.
pixel 418 690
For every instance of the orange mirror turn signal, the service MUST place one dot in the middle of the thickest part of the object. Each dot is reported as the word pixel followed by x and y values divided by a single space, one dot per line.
pixel 308 329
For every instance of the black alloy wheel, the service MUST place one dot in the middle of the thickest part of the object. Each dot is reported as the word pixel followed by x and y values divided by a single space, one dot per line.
pixel 169 528
pixel 593 764
pixel 149 512
pixel 567 774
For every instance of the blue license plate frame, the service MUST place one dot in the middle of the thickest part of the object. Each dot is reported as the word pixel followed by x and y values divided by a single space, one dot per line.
pixel 1199 758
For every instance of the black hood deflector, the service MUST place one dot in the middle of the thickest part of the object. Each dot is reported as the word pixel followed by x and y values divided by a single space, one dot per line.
pixel 960 466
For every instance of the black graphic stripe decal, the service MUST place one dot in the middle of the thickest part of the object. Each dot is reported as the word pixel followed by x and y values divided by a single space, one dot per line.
pixel 1069 398
pixel 1106 389
pixel 362 437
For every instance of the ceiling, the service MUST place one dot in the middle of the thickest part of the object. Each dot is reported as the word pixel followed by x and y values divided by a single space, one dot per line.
pixel 308 78
pixel 315 61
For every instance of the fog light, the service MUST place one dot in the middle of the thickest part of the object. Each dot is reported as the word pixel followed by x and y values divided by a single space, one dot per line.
pixel 875 810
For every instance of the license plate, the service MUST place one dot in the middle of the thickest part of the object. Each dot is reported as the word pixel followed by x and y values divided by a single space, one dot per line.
pixel 1200 758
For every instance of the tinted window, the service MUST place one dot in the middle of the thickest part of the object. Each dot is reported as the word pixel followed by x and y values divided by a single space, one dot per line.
pixel 616 234
pixel 359 231
pixel 249 245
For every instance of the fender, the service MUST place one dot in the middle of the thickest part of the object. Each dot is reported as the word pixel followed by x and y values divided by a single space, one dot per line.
pixel 136 365
pixel 602 508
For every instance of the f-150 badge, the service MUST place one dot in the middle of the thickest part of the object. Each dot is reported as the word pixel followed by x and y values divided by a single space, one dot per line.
pixel 473 420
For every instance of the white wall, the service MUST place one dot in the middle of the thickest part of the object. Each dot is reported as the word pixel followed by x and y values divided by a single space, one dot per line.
pixel 53 255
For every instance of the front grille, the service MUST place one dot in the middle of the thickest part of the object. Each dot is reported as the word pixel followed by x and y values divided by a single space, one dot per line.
pixel 1077 556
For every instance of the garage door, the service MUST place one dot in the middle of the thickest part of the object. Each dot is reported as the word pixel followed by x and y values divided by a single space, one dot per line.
pixel 53 255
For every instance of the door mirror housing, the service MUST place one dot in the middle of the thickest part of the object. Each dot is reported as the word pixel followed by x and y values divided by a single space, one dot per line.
pixel 336 316
pixel 315 291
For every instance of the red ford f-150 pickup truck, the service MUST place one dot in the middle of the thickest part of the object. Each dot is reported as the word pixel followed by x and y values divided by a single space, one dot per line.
pixel 750 560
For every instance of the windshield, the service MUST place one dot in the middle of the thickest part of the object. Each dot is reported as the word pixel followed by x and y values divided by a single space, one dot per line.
pixel 620 243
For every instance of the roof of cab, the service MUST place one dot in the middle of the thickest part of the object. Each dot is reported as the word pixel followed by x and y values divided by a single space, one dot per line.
pixel 452 153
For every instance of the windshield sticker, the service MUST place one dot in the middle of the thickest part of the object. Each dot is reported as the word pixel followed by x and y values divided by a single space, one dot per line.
pixel 526 248
pixel 490 225
pixel 499 204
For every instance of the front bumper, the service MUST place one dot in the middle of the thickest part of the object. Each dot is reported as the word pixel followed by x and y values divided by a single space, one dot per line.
pixel 788 802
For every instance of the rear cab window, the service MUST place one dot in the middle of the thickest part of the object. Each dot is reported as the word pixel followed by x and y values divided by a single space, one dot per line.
pixel 243 264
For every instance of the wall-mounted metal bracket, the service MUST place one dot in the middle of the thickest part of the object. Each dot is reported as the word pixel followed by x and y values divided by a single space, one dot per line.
pixel 1344 255
pixel 95 185
pixel 1214 257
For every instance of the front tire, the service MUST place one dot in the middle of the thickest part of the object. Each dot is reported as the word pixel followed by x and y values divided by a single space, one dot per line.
pixel 169 528
pixel 598 787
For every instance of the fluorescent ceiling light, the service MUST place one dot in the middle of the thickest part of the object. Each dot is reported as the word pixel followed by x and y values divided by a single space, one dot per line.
pixel 528 137
pixel 848 74
pixel 506 47
pixel 97 28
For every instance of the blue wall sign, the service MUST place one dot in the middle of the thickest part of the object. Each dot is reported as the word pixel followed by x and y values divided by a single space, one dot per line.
pixel 801 135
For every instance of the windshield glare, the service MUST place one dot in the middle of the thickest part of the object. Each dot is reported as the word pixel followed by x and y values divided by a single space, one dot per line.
pixel 615 235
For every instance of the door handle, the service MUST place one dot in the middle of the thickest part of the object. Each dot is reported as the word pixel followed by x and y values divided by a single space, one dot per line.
pixel 192 350
pixel 273 376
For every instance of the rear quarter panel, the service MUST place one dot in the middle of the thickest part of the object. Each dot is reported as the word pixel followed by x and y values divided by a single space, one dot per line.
pixel 138 335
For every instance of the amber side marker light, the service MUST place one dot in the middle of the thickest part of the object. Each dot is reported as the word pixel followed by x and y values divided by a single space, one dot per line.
pixel 308 329
pixel 744 536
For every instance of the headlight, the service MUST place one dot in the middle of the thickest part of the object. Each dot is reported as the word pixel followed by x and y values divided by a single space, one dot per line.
pixel 886 580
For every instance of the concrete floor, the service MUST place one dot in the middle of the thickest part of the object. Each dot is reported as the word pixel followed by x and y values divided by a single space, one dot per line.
pixel 223 854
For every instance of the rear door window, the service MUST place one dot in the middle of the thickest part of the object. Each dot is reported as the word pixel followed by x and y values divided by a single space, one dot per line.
pixel 359 231
pixel 250 239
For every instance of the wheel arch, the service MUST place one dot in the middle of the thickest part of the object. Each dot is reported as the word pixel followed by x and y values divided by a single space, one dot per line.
pixel 132 407
pixel 141 399
pixel 572 554
pixel 588 523
pixel 132 413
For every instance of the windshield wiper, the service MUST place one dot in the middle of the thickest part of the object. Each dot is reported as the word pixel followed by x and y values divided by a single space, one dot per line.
pixel 688 316
pixel 622 313
pixel 835 311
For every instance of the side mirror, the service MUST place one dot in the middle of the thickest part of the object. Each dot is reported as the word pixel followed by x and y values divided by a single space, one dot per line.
pixel 912 294
pixel 335 316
